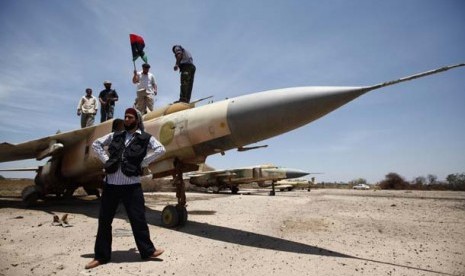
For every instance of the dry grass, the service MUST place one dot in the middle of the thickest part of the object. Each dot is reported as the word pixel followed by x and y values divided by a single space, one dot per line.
pixel 13 187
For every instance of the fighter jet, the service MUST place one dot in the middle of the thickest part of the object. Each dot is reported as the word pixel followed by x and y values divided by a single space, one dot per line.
pixel 263 175
pixel 291 184
pixel 190 134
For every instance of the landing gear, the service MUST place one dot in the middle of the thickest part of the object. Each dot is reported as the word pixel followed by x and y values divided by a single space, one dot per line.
pixel 169 216
pixel 182 215
pixel 176 215
pixel 65 190
pixel 91 191
pixel 69 191
pixel 30 195
pixel 234 190
pixel 272 192
pixel 173 216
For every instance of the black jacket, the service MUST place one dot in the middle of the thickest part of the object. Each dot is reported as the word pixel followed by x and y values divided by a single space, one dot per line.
pixel 129 157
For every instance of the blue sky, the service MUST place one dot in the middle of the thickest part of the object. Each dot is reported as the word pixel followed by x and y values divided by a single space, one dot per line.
pixel 52 50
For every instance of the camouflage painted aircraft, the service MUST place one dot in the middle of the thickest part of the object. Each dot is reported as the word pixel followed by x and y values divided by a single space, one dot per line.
pixel 263 175
pixel 291 184
pixel 190 134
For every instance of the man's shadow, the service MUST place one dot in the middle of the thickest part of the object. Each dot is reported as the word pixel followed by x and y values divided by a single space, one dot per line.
pixel 125 256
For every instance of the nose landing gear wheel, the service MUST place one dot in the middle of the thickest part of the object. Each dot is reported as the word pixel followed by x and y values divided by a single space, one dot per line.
pixel 170 216
pixel 173 216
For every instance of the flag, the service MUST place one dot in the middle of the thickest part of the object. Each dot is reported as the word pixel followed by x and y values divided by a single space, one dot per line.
pixel 137 47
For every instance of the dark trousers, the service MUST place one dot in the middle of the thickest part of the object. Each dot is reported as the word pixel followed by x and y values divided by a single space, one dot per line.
pixel 133 201
pixel 106 112
pixel 187 82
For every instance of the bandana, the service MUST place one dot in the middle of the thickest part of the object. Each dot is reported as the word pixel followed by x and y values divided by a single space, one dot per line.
pixel 132 111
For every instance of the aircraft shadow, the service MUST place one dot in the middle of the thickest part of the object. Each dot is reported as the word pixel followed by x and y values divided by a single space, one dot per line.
pixel 246 238
pixel 90 208
pixel 251 239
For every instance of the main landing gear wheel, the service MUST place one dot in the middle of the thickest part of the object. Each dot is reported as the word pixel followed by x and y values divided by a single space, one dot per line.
pixel 30 195
pixel 234 190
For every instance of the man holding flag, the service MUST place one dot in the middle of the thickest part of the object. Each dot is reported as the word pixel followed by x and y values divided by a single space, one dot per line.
pixel 146 89
pixel 146 85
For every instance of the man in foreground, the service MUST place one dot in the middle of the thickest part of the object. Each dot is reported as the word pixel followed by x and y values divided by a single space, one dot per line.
pixel 123 167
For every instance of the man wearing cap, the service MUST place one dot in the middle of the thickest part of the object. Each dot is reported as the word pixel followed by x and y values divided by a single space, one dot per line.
pixel 185 64
pixel 107 99
pixel 87 108
pixel 129 153
pixel 146 89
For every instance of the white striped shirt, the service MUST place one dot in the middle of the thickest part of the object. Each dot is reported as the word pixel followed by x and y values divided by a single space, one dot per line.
pixel 155 150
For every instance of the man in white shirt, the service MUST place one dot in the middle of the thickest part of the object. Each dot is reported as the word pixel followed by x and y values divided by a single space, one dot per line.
pixel 87 108
pixel 146 89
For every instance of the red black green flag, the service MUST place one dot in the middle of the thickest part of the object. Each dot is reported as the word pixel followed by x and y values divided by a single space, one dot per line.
pixel 137 47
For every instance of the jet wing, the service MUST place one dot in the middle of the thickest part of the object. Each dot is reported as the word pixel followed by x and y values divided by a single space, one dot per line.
pixel 43 147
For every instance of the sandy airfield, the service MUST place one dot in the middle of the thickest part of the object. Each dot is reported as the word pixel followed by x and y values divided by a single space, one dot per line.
pixel 322 232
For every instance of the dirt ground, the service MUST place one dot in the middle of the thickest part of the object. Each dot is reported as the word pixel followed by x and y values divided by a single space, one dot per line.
pixel 322 232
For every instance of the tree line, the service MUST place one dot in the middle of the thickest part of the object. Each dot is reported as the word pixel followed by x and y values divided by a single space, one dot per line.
pixel 393 181
pixel 454 182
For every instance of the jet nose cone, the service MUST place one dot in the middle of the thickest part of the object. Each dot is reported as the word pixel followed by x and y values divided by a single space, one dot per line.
pixel 259 116
pixel 294 173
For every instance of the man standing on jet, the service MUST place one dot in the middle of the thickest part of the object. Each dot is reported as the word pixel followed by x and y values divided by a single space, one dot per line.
pixel 185 64
pixel 87 108
pixel 107 99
